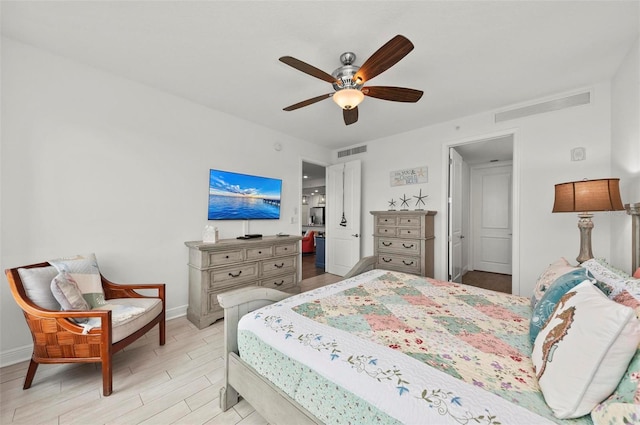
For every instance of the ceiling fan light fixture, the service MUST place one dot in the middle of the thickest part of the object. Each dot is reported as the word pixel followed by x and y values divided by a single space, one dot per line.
pixel 348 98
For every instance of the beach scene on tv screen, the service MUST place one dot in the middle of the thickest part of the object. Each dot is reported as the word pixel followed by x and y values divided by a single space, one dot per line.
pixel 234 196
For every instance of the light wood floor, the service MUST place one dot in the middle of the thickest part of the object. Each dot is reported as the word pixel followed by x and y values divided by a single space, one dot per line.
pixel 177 383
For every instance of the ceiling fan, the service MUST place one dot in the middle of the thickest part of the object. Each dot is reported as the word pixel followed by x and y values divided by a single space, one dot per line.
pixel 349 79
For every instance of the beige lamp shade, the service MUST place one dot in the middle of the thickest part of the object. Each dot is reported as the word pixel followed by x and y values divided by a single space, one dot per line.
pixel 588 196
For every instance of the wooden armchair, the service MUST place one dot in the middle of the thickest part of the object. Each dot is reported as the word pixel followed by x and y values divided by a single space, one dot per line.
pixel 57 339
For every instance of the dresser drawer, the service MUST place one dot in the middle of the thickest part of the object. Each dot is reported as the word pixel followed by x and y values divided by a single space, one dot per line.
pixel 409 221
pixel 286 249
pixel 278 265
pixel 399 262
pixel 386 231
pixel 259 253
pixel 386 220
pixel 226 257
pixel 279 282
pixel 408 247
pixel 408 232
pixel 225 276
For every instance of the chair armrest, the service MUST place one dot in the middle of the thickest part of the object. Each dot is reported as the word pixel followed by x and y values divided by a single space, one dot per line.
pixel 128 290
pixel 62 318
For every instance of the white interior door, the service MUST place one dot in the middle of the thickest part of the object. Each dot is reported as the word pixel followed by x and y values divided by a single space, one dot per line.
pixel 492 229
pixel 455 216
pixel 343 217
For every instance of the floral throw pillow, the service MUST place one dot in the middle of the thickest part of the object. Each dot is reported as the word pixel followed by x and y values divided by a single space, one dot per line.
pixel 624 404
pixel 610 279
pixel 551 273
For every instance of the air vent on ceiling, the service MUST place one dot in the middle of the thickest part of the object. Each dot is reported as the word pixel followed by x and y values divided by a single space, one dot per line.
pixel 539 108
pixel 352 151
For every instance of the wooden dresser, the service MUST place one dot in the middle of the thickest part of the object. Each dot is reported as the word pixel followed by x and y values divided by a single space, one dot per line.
pixel 270 261
pixel 403 241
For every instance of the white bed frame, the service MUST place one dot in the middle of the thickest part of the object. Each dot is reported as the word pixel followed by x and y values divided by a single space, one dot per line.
pixel 271 402
pixel 240 378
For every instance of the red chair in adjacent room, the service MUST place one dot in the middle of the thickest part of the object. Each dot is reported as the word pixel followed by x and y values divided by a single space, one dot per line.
pixel 308 243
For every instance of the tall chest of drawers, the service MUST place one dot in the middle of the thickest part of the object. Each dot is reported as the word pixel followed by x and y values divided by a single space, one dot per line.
pixel 270 261
pixel 403 241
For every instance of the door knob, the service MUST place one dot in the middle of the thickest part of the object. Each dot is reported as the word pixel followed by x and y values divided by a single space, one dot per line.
pixel 461 236
pixel 356 235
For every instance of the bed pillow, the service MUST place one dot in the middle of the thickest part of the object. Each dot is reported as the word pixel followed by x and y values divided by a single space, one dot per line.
pixel 582 352
pixel 547 304
pixel 636 274
pixel 84 271
pixel 624 403
pixel 551 273
pixel 610 279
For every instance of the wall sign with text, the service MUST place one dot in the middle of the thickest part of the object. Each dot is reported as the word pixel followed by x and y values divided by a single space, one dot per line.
pixel 409 176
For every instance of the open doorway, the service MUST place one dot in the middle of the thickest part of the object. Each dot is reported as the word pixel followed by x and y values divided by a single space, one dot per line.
pixel 481 213
pixel 313 219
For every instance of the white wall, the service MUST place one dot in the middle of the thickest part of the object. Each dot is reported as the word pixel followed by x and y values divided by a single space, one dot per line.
pixel 541 159
pixel 95 163
pixel 625 149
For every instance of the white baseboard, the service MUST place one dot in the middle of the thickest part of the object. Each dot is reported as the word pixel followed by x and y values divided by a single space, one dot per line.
pixel 16 355
pixel 21 354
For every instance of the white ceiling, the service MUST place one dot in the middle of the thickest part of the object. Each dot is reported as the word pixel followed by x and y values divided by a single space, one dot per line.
pixel 469 56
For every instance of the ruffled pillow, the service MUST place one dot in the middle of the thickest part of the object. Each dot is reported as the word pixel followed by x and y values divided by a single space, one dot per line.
pixel 84 271
pixel 66 292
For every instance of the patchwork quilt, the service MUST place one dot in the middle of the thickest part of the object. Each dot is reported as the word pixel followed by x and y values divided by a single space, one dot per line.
pixel 389 347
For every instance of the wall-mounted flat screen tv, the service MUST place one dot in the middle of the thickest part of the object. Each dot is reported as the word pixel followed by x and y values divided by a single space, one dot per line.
pixel 234 196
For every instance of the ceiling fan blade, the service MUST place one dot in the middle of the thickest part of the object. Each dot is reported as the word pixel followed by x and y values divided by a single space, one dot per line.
pixel 307 102
pixel 350 115
pixel 307 69
pixel 395 94
pixel 384 58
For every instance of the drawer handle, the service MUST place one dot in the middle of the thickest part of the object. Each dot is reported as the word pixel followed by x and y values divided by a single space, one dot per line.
pixel 279 266
pixel 286 249
pixel 387 243
pixel 410 246
pixel 385 230
pixel 408 232
pixel 235 275
pixel 407 264
pixel 387 261
pixel 279 283
pixel 259 252
pixel 408 221
pixel 226 256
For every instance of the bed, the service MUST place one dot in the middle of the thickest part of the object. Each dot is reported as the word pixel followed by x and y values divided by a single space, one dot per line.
pixel 387 347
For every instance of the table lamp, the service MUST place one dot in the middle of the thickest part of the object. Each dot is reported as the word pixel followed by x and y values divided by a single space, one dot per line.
pixel 585 197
